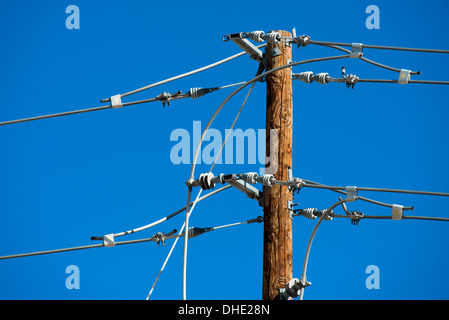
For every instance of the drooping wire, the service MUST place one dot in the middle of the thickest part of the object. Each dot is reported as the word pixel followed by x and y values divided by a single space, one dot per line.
pixel 342 44
pixel 189 190
pixel 431 193
pixel 147 226
pixel 164 97
pixel 184 74
pixel 306 259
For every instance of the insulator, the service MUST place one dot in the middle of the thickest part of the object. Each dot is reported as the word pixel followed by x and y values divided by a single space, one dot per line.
pixel 250 177
pixel 257 36
pixel 305 76
pixel 321 78
pixel 309 213
pixel 206 181
pixel 273 37
pixel 266 180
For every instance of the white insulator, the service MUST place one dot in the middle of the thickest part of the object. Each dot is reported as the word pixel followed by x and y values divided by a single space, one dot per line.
pixel 309 213
pixel 321 78
pixel 305 76
pixel 257 36
pixel 266 180
pixel 250 177
pixel 273 37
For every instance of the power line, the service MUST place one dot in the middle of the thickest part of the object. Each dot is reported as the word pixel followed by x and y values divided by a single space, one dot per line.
pixel 306 259
pixel 343 44
pixel 359 197
pixel 186 222
pixel 119 234
pixel 163 97
pixel 183 75
pixel 430 193
pixel 389 217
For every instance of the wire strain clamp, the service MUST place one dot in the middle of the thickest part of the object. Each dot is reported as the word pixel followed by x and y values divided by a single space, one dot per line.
pixel 199 92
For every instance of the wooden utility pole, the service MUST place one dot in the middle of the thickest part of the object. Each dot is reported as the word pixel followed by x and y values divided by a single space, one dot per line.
pixel 277 255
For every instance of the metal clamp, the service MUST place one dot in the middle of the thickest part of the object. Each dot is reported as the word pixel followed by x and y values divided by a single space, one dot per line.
pixel 108 240
pixel 397 212
pixel 356 216
pixel 293 288
pixel 239 39
pixel 404 76
pixel 356 50
pixel 290 206
pixel 351 194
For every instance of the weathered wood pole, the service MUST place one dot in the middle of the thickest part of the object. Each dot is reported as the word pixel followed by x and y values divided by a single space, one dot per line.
pixel 277 254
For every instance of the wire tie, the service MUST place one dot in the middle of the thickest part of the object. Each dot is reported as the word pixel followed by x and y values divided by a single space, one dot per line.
pixel 351 193
pixel 404 76
pixel 397 212
pixel 116 101
pixel 356 50
pixel 108 240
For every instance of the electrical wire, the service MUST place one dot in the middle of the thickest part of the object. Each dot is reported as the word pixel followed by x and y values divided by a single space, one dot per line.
pixel 389 217
pixel 184 74
pixel 119 234
pixel 232 127
pixel 22 255
pixel 342 80
pixel 309 245
pixel 359 197
pixel 186 238
pixel 370 61
pixel 176 96
pixel 378 47
pixel 430 193
pixel 259 219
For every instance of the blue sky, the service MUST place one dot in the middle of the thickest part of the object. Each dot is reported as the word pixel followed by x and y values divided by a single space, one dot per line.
pixel 66 179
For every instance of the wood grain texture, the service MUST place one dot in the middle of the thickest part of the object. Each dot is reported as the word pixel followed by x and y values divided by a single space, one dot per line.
pixel 277 259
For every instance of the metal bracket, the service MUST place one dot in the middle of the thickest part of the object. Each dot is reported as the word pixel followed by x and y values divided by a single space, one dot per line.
pixel 254 52
pixel 290 206
pixel 248 189
pixel 275 52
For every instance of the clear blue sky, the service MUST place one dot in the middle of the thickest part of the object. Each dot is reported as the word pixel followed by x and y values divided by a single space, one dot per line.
pixel 66 179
